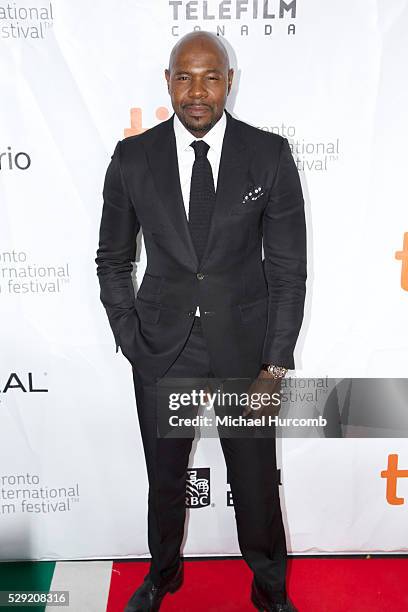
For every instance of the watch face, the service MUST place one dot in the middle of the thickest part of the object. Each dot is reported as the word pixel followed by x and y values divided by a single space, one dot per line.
pixel 277 371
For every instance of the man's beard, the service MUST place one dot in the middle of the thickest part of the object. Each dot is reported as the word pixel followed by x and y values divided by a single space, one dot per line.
pixel 198 129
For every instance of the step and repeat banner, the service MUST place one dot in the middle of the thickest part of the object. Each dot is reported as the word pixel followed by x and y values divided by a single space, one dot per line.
pixel 75 78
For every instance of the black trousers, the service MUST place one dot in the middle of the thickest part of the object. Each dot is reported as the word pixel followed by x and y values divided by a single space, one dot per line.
pixel 251 465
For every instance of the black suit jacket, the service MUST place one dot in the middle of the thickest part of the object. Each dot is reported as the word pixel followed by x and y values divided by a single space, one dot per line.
pixel 251 308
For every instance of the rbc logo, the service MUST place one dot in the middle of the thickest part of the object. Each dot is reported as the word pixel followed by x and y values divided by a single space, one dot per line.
pixel 198 488
pixel 230 500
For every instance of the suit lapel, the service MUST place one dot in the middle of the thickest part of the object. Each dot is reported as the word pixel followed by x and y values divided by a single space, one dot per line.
pixel 232 177
pixel 162 156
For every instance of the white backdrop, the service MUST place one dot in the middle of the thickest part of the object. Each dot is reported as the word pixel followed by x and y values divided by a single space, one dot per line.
pixel 75 78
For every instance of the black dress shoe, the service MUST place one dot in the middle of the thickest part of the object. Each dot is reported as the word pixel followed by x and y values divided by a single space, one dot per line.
pixel 148 597
pixel 262 601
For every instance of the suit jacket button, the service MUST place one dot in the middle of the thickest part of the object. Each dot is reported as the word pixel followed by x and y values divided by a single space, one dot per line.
pixel 200 276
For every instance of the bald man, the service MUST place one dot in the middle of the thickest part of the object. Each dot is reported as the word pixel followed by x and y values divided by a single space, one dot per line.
pixel 208 191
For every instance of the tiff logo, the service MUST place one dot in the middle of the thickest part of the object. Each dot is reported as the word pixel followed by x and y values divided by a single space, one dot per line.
pixel 136 122
pixel 391 474
pixel 403 256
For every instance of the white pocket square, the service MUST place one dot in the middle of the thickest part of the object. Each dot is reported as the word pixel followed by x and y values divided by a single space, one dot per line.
pixel 253 194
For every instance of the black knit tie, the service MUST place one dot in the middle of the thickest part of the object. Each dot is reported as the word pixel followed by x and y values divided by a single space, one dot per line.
pixel 202 197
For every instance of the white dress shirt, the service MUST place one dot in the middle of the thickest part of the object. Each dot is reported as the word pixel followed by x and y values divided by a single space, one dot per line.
pixel 186 156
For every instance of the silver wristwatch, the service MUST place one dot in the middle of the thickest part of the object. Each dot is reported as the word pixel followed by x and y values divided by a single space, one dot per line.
pixel 276 371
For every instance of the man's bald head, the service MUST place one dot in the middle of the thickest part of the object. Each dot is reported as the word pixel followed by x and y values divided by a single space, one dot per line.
pixel 199 39
pixel 199 80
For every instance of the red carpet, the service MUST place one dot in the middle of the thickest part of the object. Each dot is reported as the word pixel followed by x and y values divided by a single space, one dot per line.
pixel 315 585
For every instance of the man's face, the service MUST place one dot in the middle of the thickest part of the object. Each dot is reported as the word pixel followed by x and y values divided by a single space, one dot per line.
pixel 199 82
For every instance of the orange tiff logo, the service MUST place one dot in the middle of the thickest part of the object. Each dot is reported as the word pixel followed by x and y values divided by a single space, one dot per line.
pixel 136 122
pixel 403 256
pixel 391 474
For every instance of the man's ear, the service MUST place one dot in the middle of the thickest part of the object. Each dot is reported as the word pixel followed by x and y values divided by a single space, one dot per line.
pixel 167 75
pixel 230 77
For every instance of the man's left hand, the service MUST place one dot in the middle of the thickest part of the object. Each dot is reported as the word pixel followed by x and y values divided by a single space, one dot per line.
pixel 265 384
